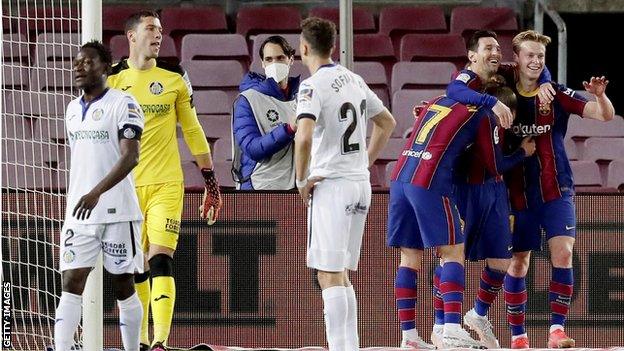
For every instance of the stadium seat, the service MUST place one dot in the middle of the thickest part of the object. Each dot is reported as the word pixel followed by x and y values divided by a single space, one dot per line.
pixel 363 20
pixel 34 152
pixel 616 175
pixel 374 75
pixel 214 47
pixel 56 19
pixel 211 102
pixel 392 150
pixel 586 173
pixel 120 48
pixel 367 47
pixel 419 75
pixel 15 126
pixel 570 148
pixel 274 19
pixel 34 104
pixel 15 77
pixel 185 153
pixel 581 128
pixel 50 128
pixel 9 26
pixel 216 127
pixel 30 177
pixel 54 50
pixel 15 48
pixel 434 47
pixel 389 168
pixel 223 172
pixel 193 179
pixel 178 21
pixel 215 75
pixel 42 79
pixel 374 47
pixel 222 149
pixel 502 20
pixel 395 22
pixel 403 102
pixel 470 19
pixel 603 149
pixel 114 18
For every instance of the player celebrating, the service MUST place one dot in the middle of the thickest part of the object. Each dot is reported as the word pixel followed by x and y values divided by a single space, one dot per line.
pixel 541 189
pixel 166 97
pixel 422 211
pixel 104 127
pixel 483 203
pixel 333 106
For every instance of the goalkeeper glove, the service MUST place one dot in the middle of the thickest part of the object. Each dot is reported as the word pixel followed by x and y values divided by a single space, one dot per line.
pixel 211 204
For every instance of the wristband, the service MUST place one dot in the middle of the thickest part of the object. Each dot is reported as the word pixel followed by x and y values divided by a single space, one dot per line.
pixel 208 174
pixel 301 183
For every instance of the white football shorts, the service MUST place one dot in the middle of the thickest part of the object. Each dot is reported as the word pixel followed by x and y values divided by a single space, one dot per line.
pixel 120 244
pixel 336 219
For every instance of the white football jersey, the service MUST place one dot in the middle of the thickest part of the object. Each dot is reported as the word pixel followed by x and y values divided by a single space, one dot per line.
pixel 341 103
pixel 94 132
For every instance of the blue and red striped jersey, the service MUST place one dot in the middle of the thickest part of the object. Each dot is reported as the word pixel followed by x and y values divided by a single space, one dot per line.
pixel 441 133
pixel 485 158
pixel 545 175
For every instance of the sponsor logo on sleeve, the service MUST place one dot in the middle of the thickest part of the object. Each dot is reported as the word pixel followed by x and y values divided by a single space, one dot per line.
pixel 463 77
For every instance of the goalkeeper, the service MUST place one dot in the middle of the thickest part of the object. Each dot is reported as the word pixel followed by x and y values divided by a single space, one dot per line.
pixel 164 92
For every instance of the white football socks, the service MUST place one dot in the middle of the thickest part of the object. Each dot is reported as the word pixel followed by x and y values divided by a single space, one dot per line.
pixel 130 317
pixel 335 309
pixel 67 317
pixel 352 338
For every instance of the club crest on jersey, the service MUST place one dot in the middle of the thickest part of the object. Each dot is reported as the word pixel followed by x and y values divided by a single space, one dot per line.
pixel 156 88
pixel 97 114
pixel 272 115
pixel 544 109
pixel 69 256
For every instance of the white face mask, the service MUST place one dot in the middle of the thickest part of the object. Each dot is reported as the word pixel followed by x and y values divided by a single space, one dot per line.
pixel 277 71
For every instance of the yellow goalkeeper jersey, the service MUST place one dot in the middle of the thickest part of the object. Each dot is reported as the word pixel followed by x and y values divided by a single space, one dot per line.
pixel 166 97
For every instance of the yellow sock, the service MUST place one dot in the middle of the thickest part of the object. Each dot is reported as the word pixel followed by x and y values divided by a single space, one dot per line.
pixel 143 290
pixel 163 300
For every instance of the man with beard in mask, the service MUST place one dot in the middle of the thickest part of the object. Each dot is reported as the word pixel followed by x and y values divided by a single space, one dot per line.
pixel 263 121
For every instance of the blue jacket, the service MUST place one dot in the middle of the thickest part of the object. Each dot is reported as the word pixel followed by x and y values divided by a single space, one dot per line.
pixel 256 147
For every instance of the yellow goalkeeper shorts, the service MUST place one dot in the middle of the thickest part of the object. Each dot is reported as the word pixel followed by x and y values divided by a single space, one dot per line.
pixel 161 205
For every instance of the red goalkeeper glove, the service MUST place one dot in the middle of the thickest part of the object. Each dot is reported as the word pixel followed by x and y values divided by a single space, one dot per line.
pixel 211 204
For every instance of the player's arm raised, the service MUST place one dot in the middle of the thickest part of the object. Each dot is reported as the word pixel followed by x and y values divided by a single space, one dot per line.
pixel 601 109
pixel 129 136
pixel 383 125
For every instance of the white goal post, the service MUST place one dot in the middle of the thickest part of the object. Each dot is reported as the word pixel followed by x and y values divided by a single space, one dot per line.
pixel 39 40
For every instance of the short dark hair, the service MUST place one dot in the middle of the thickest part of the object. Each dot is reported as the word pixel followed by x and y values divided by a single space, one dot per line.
pixel 473 42
pixel 497 88
pixel 103 52
pixel 135 19
pixel 278 40
pixel 320 34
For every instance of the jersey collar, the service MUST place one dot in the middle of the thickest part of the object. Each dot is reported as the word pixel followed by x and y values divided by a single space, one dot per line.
pixel 526 93
pixel 85 105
